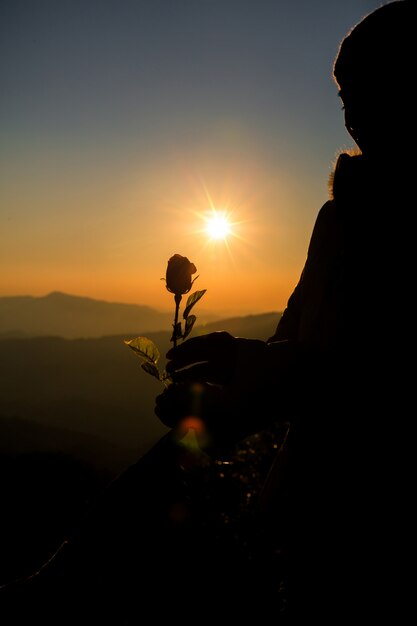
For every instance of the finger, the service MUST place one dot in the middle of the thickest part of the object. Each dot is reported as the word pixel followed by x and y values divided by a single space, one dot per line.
pixel 204 373
pixel 187 350
pixel 203 348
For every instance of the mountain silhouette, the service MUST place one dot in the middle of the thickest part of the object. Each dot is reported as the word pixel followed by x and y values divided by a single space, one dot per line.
pixel 64 315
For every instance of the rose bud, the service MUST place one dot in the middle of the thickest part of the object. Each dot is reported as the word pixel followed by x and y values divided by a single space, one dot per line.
pixel 178 276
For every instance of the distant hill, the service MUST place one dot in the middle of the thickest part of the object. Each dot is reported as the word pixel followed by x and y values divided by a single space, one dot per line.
pixel 63 315
pixel 73 317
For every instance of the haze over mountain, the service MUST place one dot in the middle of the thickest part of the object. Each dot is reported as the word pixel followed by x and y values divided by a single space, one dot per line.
pixel 73 317
pixel 69 316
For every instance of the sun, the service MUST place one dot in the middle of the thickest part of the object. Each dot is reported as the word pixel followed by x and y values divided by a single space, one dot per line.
pixel 218 226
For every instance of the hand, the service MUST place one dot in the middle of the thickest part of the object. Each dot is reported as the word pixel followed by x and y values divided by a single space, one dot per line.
pixel 200 368
pixel 209 358
pixel 218 379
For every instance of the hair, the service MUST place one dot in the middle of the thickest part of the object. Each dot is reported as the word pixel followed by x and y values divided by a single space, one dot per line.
pixel 380 47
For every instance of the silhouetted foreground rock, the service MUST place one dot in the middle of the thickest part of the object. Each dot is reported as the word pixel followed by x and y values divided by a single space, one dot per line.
pixel 179 534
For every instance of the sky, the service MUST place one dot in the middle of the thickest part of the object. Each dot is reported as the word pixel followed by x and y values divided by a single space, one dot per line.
pixel 126 125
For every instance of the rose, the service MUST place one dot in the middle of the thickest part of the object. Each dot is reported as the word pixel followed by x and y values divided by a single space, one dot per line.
pixel 179 274
pixel 179 282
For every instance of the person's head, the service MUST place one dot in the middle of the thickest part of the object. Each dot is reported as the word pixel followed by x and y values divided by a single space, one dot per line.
pixel 374 70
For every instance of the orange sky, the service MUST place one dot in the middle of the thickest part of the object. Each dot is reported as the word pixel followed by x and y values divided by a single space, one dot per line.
pixel 112 241
pixel 123 129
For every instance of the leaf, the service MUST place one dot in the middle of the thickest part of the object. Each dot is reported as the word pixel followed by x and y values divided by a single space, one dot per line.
pixel 144 348
pixel 177 332
pixel 151 369
pixel 192 300
pixel 189 323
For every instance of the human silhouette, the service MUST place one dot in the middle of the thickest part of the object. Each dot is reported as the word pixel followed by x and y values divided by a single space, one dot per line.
pixel 335 374
pixel 336 369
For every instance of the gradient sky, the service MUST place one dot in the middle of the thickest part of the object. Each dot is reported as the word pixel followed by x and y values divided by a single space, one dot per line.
pixel 124 123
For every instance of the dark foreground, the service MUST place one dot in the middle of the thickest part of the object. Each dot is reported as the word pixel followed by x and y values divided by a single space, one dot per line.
pixel 179 534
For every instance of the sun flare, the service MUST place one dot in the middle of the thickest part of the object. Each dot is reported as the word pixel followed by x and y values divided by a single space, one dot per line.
pixel 218 229
pixel 218 226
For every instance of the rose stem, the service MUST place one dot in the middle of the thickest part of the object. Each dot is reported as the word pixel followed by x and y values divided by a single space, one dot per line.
pixel 177 298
